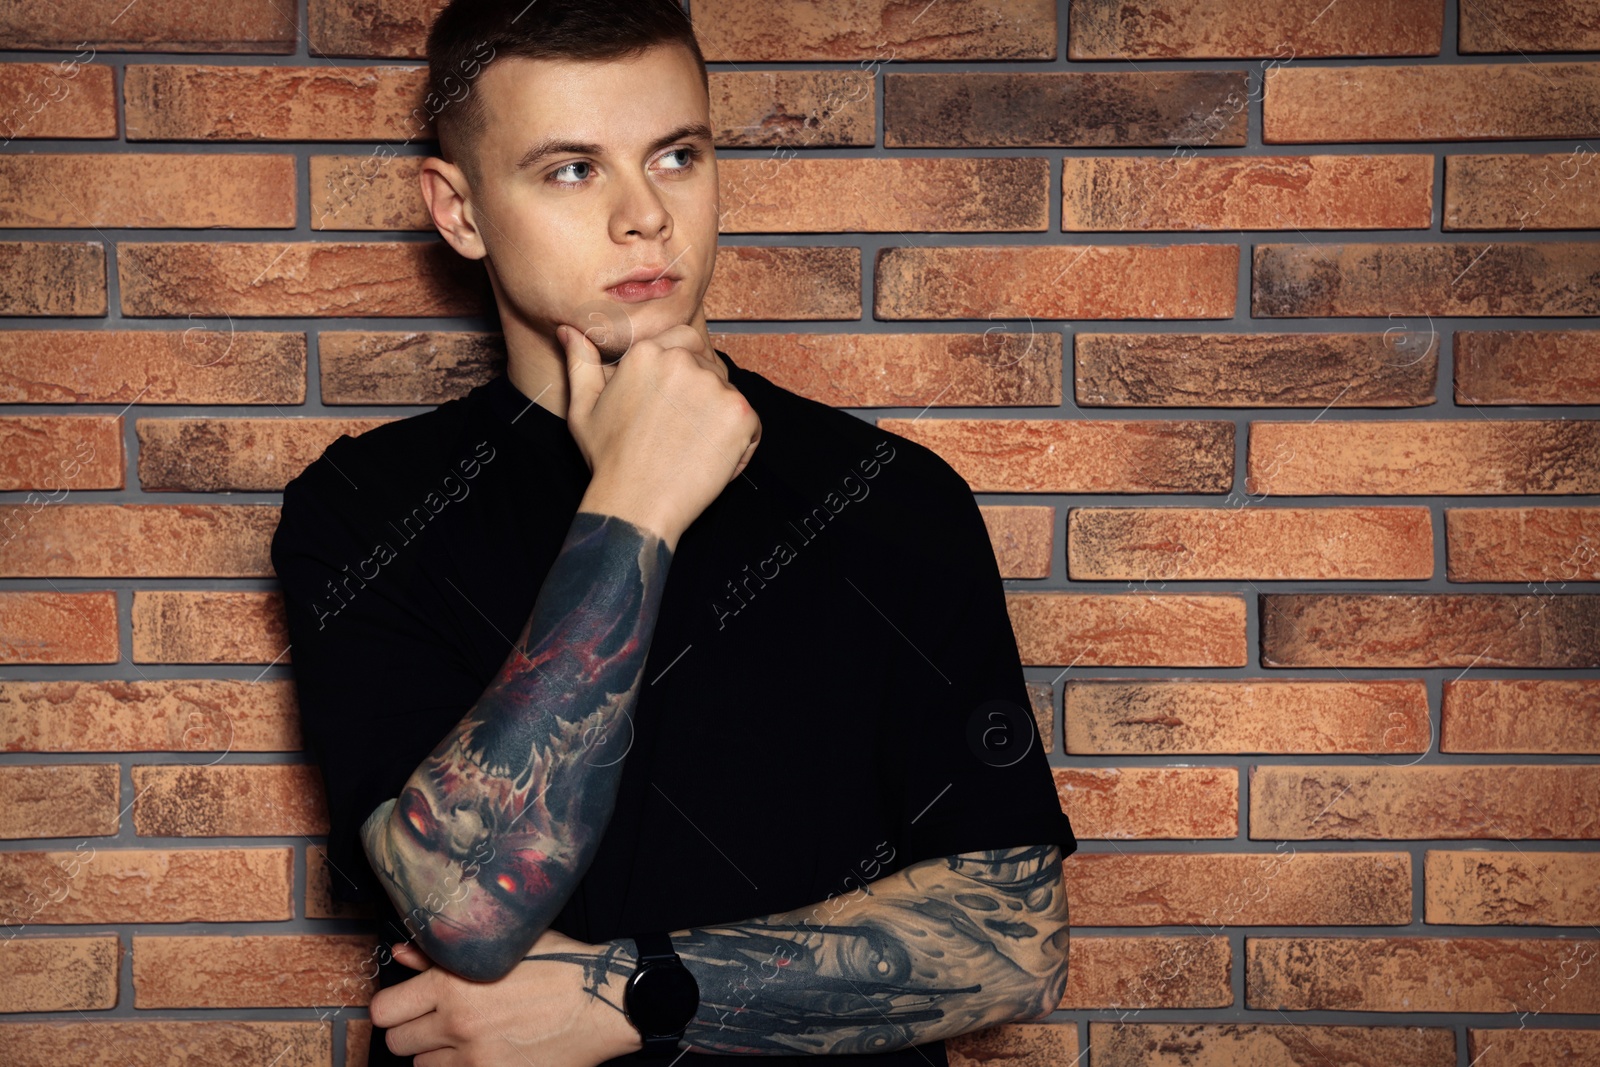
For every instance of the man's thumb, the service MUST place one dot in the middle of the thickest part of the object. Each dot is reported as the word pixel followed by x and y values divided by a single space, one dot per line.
pixel 585 377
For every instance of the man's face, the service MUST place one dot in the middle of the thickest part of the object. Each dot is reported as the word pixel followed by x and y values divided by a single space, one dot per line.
pixel 562 229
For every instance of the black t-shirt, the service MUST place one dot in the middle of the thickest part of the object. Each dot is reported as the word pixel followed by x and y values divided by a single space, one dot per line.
pixel 832 692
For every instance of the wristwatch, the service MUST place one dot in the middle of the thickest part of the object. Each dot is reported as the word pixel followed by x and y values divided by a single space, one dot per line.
pixel 661 997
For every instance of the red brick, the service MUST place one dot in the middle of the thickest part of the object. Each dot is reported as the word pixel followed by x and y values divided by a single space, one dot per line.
pixel 60 453
pixel 59 974
pixel 1546 1046
pixel 161 715
pixel 1550 546
pixel 322 279
pixel 1059 456
pixel 1103 630
pixel 847 30
pixel 1456 278
pixel 153 1044
pixel 1124 1044
pixel 47 627
pixel 106 885
pixel 142 540
pixel 1022 537
pixel 1345 192
pixel 322 102
pixel 59 800
pixel 804 108
pixel 1545 802
pixel 1417 974
pixel 52 278
pixel 1281 888
pixel 1431 102
pixel 1123 803
pixel 357 1042
pixel 1156 972
pixel 198 365
pixel 1522 192
pixel 1227 29
pixel 1226 716
pixel 1528 26
pixel 1010 109
pixel 1187 281
pixel 136 189
pixel 68 98
pixel 1555 715
pixel 411 367
pixel 254 971
pixel 237 800
pixel 1269 544
pixel 1430 630
pixel 886 195
pixel 1527 367
pixel 1456 457
pixel 998 367
pixel 206 455
pixel 1017 1044
pixel 1514 888
pixel 375 191
pixel 1241 370
pixel 229 26
pixel 763 282
pixel 208 626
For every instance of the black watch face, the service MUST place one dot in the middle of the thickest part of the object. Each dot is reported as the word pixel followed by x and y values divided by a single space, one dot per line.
pixel 663 999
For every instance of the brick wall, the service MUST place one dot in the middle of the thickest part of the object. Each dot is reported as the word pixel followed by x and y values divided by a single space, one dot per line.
pixel 1263 332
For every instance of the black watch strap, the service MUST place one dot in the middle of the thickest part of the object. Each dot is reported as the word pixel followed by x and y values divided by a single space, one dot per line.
pixel 652 1000
pixel 656 945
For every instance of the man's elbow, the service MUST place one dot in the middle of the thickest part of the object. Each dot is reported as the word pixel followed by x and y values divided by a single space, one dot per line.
pixel 1044 995
pixel 466 931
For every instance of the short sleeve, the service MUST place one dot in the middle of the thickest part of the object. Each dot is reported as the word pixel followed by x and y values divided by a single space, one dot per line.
pixel 974 771
pixel 372 681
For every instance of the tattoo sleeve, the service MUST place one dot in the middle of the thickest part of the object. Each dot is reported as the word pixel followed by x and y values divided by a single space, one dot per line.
pixel 493 831
pixel 941 948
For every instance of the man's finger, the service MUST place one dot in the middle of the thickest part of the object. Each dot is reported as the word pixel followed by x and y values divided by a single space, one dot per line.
pixel 418 1035
pixel 403 1002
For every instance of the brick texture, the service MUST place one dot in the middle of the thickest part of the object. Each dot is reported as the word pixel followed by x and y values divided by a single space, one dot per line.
pixel 1266 334
pixel 1135 1044
pixel 165 715
pixel 205 364
pixel 1425 974
pixel 1527 367
pixel 150 1044
pixel 1239 370
pixel 1229 29
pixel 105 885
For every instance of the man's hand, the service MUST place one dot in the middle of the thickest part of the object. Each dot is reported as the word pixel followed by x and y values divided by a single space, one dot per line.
pixel 540 1014
pixel 663 431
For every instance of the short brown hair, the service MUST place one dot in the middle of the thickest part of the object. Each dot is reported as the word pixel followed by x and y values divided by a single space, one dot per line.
pixel 467 34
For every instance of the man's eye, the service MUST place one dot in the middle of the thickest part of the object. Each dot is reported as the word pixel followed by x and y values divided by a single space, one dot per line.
pixel 569 166
pixel 693 154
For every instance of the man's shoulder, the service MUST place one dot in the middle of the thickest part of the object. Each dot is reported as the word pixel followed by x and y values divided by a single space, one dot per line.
pixel 359 475
pixel 831 439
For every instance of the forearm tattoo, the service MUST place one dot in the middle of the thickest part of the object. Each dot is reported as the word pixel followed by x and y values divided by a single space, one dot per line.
pixel 492 832
pixel 941 948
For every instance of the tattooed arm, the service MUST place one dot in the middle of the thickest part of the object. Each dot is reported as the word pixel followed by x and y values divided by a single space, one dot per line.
pixel 941 948
pixel 493 831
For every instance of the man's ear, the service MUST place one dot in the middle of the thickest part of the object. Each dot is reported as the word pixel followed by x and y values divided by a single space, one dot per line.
pixel 446 192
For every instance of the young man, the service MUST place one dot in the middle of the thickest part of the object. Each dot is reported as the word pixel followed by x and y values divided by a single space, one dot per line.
pixel 658 708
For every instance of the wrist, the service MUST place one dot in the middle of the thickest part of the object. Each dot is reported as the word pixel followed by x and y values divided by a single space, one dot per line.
pixel 601 499
pixel 618 1035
